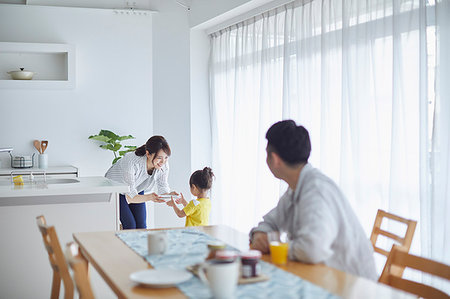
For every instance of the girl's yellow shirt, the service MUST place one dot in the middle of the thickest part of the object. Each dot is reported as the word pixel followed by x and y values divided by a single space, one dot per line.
pixel 197 212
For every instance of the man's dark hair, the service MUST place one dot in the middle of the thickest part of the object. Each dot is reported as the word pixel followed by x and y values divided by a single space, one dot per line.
pixel 289 141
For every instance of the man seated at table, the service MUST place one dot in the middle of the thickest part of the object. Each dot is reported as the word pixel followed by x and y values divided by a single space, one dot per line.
pixel 321 225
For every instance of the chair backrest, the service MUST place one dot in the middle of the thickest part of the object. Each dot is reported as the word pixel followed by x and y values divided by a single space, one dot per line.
pixel 399 257
pixel 57 260
pixel 404 241
pixel 79 266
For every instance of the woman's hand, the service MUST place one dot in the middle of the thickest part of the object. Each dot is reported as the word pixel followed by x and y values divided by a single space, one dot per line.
pixel 154 197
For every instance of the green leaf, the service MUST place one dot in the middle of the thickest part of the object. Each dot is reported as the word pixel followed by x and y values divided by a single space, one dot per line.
pixel 124 152
pixel 108 146
pixel 99 138
pixel 131 147
pixel 115 160
pixel 109 134
pixel 121 138
pixel 112 143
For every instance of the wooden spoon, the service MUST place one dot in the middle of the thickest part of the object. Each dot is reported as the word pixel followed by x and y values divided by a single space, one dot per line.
pixel 37 145
pixel 44 144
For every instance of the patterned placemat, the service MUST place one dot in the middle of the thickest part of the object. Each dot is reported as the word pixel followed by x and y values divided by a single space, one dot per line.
pixel 242 280
pixel 189 246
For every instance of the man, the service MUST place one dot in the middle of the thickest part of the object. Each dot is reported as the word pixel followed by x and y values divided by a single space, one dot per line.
pixel 321 226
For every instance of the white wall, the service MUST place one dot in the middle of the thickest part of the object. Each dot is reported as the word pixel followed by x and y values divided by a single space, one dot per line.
pixel 171 117
pixel 200 107
pixel 113 84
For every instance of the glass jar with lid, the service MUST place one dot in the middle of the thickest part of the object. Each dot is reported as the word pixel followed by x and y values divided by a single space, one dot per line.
pixel 213 247
pixel 250 263
pixel 225 256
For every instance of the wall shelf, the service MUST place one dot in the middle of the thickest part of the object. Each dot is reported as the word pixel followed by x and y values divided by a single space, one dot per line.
pixel 54 65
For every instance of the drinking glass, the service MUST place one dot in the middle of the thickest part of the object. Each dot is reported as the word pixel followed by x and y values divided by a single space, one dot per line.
pixel 279 247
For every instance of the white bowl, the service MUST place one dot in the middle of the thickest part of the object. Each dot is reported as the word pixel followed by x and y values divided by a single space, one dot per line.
pixel 21 75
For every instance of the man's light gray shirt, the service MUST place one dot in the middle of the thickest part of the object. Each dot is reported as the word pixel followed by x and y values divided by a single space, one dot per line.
pixel 321 226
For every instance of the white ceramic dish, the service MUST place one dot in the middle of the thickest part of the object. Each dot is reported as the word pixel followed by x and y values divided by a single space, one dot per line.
pixel 22 74
pixel 166 197
pixel 160 278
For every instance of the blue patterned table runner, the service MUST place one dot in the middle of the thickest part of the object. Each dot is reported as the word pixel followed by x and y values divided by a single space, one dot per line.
pixel 188 246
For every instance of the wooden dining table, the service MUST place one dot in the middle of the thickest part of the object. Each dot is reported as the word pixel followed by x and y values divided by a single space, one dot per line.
pixel 115 261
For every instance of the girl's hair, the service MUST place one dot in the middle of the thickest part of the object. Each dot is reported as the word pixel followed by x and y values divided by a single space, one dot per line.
pixel 153 145
pixel 202 179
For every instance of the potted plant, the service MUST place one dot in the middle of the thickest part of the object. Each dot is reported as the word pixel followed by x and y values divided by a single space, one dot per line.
pixel 112 142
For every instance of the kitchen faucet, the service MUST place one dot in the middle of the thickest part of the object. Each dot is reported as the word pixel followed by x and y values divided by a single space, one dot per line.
pixel 23 172
pixel 5 149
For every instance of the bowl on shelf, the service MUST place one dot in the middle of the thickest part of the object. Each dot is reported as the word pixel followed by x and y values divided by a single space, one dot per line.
pixel 21 75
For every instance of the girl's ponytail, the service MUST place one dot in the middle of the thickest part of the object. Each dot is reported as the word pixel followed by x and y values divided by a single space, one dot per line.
pixel 202 178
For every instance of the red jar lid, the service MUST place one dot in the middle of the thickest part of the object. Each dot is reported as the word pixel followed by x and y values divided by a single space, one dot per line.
pixel 251 254
pixel 226 254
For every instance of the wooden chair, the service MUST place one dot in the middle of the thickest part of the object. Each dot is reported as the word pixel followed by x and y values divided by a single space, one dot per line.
pixel 57 260
pixel 399 257
pixel 79 266
pixel 404 242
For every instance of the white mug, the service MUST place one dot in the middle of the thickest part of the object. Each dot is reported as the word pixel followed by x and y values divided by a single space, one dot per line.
pixel 222 278
pixel 156 242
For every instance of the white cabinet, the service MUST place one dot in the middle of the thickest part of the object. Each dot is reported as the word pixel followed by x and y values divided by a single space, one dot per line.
pixel 54 65
pixel 89 205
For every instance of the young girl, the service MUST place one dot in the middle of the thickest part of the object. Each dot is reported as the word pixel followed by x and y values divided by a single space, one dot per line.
pixel 197 210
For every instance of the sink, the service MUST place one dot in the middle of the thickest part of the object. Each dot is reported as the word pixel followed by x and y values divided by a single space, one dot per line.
pixel 62 181
pixel 40 182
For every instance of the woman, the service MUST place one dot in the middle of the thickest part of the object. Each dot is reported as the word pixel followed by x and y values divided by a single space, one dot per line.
pixel 144 169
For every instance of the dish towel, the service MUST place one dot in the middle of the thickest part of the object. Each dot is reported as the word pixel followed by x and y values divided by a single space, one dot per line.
pixel 189 246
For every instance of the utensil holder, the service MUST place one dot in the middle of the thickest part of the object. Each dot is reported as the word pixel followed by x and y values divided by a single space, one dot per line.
pixel 43 161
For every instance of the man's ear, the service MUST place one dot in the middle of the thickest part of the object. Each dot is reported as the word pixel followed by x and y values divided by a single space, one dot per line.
pixel 276 159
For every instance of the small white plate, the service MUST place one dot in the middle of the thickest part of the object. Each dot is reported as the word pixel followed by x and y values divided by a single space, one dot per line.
pixel 160 278
pixel 167 197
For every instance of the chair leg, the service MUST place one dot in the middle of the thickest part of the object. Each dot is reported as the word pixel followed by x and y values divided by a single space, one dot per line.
pixel 68 288
pixel 85 262
pixel 56 284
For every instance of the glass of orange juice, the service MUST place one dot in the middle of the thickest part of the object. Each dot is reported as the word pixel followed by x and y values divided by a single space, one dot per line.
pixel 278 247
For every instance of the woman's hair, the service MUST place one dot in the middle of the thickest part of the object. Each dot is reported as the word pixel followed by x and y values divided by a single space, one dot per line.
pixel 202 179
pixel 153 145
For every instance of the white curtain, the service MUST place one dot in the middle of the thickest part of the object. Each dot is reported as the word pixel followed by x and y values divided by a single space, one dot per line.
pixel 436 207
pixel 357 75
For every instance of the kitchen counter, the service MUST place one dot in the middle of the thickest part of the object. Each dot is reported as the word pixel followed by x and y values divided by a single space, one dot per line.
pixel 58 190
